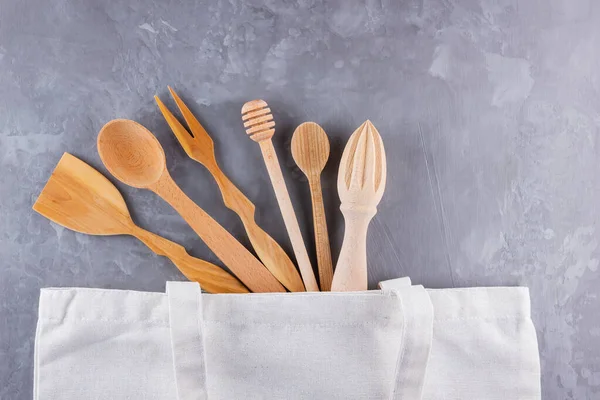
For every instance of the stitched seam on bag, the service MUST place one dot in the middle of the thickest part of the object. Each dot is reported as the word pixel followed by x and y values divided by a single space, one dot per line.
pixel 164 323
pixel 200 332
pixel 120 321
pixel 36 360
pixel 370 293
pixel 501 317
pixel 58 292
pixel 478 289
pixel 400 359
pixel 284 324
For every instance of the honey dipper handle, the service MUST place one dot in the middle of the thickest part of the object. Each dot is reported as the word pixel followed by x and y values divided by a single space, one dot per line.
pixel 231 252
pixel 351 268
pixel 289 216
pixel 211 278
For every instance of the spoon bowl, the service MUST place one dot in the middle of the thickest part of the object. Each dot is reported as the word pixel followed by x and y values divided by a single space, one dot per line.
pixel 131 153
pixel 310 148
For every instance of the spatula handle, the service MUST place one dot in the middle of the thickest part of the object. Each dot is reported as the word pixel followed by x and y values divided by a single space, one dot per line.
pixel 351 269
pixel 235 256
pixel 211 278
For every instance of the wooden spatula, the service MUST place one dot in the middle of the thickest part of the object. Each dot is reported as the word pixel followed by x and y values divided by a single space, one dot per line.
pixel 81 199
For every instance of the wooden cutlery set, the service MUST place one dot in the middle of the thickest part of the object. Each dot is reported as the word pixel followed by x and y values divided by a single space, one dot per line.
pixel 80 198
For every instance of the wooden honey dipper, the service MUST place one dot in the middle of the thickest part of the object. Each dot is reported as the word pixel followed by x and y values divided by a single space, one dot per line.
pixel 259 125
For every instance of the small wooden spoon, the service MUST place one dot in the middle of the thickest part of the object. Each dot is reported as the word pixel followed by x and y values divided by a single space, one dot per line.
pixel 310 149
pixel 81 199
pixel 135 157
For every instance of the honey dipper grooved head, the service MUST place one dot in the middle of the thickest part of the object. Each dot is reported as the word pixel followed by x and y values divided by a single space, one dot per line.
pixel 258 120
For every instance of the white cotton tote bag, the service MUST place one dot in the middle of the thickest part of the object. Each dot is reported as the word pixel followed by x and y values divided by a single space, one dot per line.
pixel 478 343
pixel 184 345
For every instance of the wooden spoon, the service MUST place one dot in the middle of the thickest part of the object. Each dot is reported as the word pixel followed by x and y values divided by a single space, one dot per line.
pixel 133 155
pixel 361 182
pixel 81 199
pixel 310 149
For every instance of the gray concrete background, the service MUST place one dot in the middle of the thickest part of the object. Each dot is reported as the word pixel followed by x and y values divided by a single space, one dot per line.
pixel 489 111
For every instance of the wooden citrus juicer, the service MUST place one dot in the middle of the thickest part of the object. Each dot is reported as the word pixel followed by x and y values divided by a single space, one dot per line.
pixel 135 157
pixel 361 182
pixel 310 149
pixel 199 146
pixel 259 125
pixel 81 199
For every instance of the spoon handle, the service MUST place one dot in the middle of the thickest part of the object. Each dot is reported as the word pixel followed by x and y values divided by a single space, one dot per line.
pixel 235 256
pixel 351 269
pixel 211 278
pixel 321 235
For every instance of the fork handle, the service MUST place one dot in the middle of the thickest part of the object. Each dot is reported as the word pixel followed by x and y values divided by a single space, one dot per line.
pixel 233 198
pixel 351 269
pixel 268 250
pixel 211 278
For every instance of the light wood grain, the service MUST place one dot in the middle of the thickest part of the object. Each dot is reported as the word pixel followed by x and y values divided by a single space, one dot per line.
pixel 361 182
pixel 200 147
pixel 310 149
pixel 81 199
pixel 135 157
pixel 259 125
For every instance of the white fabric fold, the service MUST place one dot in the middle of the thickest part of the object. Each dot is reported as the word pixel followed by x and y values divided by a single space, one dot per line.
pixel 103 344
pixel 484 345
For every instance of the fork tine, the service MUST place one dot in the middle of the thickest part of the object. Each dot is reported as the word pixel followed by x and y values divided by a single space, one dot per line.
pixel 197 129
pixel 182 134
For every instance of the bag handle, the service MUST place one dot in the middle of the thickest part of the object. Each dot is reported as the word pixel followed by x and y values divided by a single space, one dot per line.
pixel 187 339
pixel 416 338
pixel 397 283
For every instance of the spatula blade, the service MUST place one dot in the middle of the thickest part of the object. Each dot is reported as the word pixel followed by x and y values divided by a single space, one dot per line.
pixel 80 198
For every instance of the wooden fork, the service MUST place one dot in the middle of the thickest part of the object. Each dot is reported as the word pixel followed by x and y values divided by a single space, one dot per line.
pixel 200 147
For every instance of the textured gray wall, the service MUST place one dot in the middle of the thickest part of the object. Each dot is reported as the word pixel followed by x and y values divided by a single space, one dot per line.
pixel 489 111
